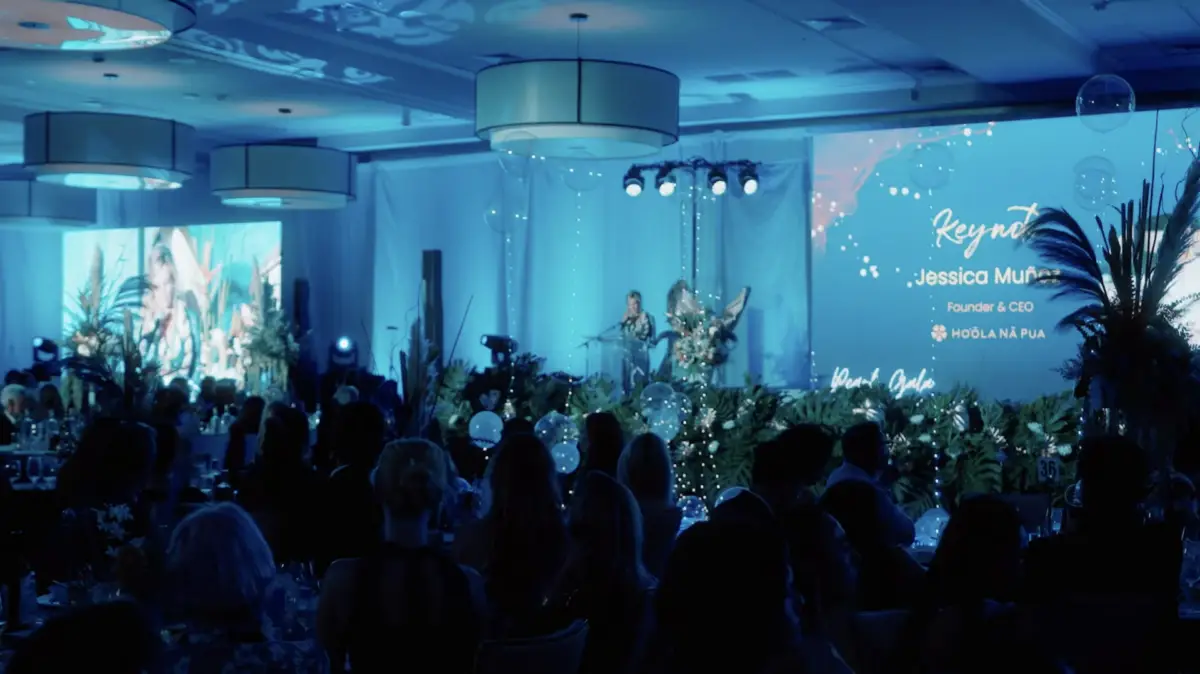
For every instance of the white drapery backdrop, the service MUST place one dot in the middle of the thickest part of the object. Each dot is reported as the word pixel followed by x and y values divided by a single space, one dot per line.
pixel 546 252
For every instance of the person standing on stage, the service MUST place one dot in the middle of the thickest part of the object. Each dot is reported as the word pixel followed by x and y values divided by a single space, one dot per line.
pixel 637 327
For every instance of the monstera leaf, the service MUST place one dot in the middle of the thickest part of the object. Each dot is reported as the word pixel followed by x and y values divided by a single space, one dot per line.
pixel 976 469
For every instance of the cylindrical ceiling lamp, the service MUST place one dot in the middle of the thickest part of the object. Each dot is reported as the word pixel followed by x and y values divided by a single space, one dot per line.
pixel 106 151
pixel 28 203
pixel 280 176
pixel 577 108
pixel 92 25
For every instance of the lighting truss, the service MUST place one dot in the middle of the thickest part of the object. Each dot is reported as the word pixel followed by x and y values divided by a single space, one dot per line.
pixel 666 175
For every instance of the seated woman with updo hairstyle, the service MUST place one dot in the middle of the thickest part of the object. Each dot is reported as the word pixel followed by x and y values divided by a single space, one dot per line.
pixel 219 578
pixel 407 602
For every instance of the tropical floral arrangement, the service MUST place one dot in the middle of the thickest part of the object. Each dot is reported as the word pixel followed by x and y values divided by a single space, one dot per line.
pixel 1134 359
pixel 942 445
pixel 101 339
pixel 703 342
pixel 271 347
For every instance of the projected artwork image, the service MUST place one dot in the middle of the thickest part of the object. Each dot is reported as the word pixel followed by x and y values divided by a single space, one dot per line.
pixel 190 295
pixel 920 280
pixel 100 281
pixel 208 285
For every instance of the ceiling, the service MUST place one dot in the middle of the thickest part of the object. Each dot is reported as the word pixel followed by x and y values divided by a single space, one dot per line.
pixel 382 74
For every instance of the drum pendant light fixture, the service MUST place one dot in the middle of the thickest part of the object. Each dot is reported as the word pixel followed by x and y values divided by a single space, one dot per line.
pixel 577 108
pixel 280 176
pixel 106 151
pixel 28 203
pixel 92 25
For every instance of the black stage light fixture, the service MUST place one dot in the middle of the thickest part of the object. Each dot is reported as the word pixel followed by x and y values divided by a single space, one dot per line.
pixel 749 180
pixel 717 182
pixel 45 350
pixel 634 182
pixel 501 346
pixel 343 353
pixel 665 181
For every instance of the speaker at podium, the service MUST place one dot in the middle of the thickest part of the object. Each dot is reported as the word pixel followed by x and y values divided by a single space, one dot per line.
pixel 614 356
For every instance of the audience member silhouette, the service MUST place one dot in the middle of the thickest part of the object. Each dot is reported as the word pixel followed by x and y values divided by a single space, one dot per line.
pixel 406 602
pixel 219 570
pixel 645 468
pixel 520 544
pixel 603 440
pixel 604 581
pixel 281 491
pixel 865 457
pixel 248 423
pixel 784 472
pixel 887 576
pixel 352 518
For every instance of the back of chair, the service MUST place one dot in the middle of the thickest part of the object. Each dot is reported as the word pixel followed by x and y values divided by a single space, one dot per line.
pixel 557 653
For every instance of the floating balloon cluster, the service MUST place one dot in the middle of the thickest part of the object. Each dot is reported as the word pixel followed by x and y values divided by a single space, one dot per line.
pixel 664 409
pixel 561 435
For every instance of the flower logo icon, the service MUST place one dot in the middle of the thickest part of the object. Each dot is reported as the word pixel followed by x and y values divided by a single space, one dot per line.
pixel 938 333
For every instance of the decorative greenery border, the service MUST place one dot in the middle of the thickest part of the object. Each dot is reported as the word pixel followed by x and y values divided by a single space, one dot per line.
pixel 943 445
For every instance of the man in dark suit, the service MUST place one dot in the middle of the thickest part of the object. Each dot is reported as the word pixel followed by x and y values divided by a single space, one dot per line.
pixel 12 408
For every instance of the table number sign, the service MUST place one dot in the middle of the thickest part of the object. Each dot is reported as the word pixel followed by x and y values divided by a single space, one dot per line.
pixel 1049 469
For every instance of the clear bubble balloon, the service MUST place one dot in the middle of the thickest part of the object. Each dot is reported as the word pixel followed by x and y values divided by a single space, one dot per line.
pixel 581 174
pixel 656 396
pixel 1105 103
pixel 1095 183
pixel 566 457
pixel 682 404
pixel 493 216
pixel 555 428
pixel 929 527
pixel 693 508
pixel 665 424
pixel 514 165
pixel 485 429
pixel 728 495
pixel 931 166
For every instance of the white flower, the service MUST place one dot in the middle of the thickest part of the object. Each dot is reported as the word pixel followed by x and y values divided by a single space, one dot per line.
pixel 708 417
pixel 1035 427
pixel 778 425
pixel 713 447
pixel 925 437
pixel 120 513
pixel 917 419
pixel 686 448
pixel 728 425
pixel 1064 450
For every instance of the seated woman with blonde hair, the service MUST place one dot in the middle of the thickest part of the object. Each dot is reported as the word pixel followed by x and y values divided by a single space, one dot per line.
pixel 408 602
pixel 645 468
pixel 219 570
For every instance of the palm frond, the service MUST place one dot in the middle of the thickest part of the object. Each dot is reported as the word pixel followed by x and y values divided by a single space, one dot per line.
pixel 1059 240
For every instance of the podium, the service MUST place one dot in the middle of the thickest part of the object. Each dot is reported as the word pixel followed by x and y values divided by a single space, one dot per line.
pixel 619 358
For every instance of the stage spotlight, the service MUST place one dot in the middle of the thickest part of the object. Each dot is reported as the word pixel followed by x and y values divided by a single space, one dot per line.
pixel 634 182
pixel 665 182
pixel 717 182
pixel 44 350
pixel 502 347
pixel 343 353
pixel 749 180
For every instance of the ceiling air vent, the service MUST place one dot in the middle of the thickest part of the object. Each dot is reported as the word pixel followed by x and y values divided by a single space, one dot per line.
pixel 731 78
pixel 773 75
pixel 834 24
pixel 493 59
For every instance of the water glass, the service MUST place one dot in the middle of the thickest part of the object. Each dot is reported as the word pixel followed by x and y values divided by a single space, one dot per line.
pixel 1056 520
